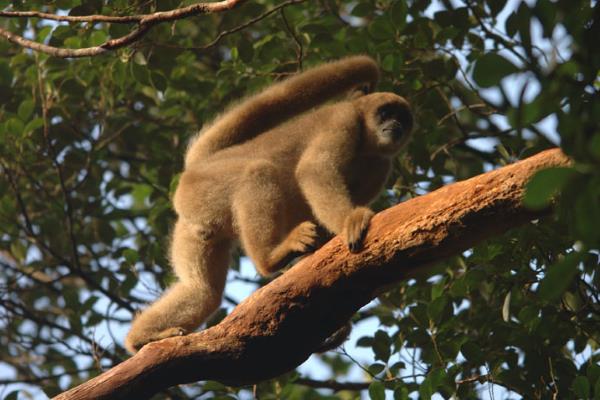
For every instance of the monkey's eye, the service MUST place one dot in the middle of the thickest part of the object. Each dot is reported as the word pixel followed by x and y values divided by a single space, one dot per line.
pixel 384 114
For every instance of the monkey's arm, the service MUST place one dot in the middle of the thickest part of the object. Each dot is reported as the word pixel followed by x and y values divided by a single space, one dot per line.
pixel 370 175
pixel 320 174
pixel 325 189
pixel 282 101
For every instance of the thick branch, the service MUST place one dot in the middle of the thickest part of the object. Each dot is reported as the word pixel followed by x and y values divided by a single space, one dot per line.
pixel 144 21
pixel 281 324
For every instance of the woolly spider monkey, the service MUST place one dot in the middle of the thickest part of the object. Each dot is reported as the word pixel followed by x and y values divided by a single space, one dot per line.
pixel 270 171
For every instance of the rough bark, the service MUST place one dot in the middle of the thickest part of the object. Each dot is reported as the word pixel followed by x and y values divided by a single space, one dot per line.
pixel 281 324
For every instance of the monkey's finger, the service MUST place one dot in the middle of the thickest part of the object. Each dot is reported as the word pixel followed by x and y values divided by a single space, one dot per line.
pixel 356 245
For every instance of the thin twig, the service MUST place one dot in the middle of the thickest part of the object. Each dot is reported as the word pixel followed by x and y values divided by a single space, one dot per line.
pixel 159 16
pixel 145 23
pixel 300 49
pixel 332 384
pixel 243 26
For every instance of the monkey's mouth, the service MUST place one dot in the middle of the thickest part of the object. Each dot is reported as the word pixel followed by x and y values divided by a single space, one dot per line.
pixel 395 132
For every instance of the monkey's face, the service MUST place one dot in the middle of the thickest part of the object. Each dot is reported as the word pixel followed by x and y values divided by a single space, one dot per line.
pixel 388 122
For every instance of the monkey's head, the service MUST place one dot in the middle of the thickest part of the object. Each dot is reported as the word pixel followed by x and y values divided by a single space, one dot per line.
pixel 387 120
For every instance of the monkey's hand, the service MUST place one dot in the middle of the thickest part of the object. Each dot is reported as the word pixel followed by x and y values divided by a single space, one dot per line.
pixel 304 238
pixel 355 227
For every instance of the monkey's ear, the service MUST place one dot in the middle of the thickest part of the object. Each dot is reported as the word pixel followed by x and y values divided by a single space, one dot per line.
pixel 359 91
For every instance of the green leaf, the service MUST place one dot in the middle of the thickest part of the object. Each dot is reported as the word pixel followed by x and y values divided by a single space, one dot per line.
pixel 362 10
pixel 364 341
pixel 425 389
pixel 376 368
pixel 472 352
pixel 159 81
pixel 381 28
pixel 595 146
pixel 381 346
pixel 73 42
pixel 67 4
pixel 12 395
pixel 377 391
pixel 491 68
pixel 388 63
pixel 559 277
pixel 15 126
pixel 581 387
pixel 18 250
pixel 436 307
pixel 459 288
pixel 401 393
pixel 97 38
pixel 398 14
pixel 131 256
pixel 245 49
pixel 140 73
pixel 544 185
pixel 438 289
pixel 88 304
pixel 43 33
pixel 6 75
pixel 33 125
pixel 213 386
pixel 528 314
pixel 25 109
pixel 435 68
pixel 444 18
pixel 593 373
pixel 437 377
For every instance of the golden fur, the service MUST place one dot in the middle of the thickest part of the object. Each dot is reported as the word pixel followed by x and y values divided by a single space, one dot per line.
pixel 266 173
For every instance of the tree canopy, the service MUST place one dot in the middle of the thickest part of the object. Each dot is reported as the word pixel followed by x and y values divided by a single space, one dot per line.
pixel 91 146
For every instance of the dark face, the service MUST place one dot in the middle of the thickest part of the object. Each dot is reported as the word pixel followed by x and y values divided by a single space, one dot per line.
pixel 387 121
pixel 394 123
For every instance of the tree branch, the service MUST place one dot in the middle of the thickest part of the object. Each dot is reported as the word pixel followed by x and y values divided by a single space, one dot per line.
pixel 144 23
pixel 281 324
pixel 127 19
pixel 333 384
pixel 243 26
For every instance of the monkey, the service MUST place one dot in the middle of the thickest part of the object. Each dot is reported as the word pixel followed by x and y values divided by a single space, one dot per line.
pixel 269 173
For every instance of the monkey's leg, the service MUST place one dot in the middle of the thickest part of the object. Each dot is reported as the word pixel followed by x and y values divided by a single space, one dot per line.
pixel 201 265
pixel 260 208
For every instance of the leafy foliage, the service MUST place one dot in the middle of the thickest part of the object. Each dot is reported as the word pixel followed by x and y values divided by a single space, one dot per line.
pixel 90 151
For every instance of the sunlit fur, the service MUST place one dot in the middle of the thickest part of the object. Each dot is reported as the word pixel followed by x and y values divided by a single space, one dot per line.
pixel 266 173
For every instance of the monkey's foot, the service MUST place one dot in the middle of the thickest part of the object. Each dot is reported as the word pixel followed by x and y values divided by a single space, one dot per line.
pixel 304 238
pixel 355 227
pixel 177 331
pixel 134 342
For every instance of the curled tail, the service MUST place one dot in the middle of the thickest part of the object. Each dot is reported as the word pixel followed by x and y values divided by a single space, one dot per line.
pixel 282 101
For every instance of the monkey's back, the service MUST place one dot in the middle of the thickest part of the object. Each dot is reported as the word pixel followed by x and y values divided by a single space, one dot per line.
pixel 215 178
